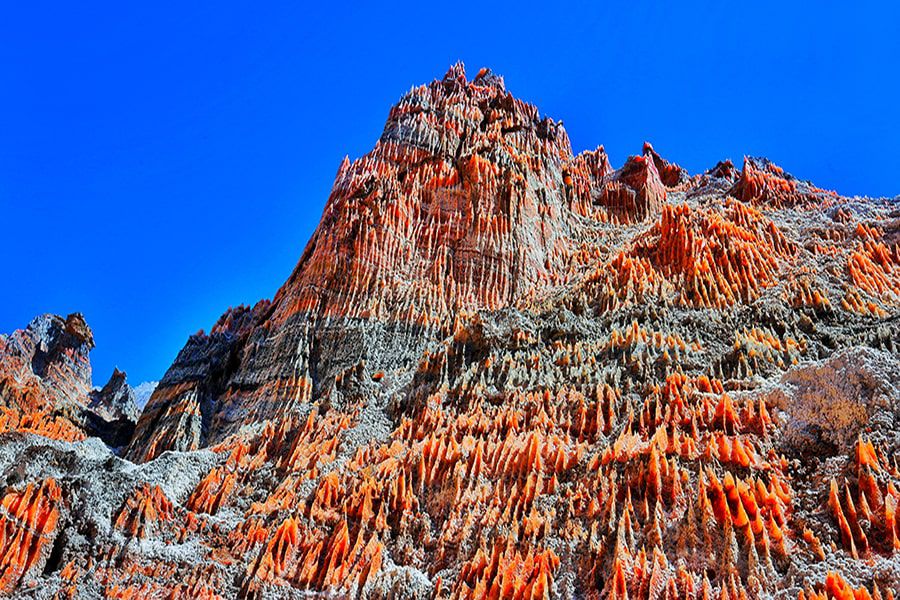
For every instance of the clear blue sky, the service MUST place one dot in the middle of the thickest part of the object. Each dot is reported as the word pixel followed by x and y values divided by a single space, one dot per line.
pixel 159 164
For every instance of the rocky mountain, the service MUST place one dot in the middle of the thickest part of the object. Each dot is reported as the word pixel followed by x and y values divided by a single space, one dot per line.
pixel 45 376
pixel 116 399
pixel 498 370
pixel 112 410
pixel 45 384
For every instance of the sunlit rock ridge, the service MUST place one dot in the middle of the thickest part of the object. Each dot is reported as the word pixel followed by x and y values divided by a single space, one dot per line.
pixel 498 370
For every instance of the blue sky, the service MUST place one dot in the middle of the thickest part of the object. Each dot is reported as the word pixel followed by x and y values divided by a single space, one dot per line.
pixel 161 163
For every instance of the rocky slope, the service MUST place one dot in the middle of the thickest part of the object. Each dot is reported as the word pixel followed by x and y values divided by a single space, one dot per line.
pixel 45 384
pixel 112 411
pixel 499 370
pixel 45 376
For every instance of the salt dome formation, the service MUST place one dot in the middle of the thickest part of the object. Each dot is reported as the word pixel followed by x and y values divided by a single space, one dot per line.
pixel 499 370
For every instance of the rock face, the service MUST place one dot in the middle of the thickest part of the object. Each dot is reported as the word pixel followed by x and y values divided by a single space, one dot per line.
pixel 29 521
pixel 115 400
pixel 112 412
pixel 45 385
pixel 502 370
pixel 45 376
pixel 462 205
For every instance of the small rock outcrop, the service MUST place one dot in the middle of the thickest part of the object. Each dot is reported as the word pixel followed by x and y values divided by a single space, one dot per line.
pixel 111 412
pixel 45 385
pixel 635 192
pixel 764 183
pixel 45 376
pixel 115 400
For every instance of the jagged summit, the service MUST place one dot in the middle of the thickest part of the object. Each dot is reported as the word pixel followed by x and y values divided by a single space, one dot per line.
pixel 470 200
pixel 451 178
pixel 499 370
pixel 45 384
pixel 45 375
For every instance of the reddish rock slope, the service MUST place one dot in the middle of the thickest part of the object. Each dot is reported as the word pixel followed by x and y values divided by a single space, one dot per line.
pixel 45 384
pixel 501 370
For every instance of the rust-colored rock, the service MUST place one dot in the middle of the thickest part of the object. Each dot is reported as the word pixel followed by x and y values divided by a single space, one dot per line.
pixel 635 192
pixel 45 384
pixel 145 511
pixel 765 183
pixel 45 376
pixel 501 370
pixel 28 527
pixel 671 175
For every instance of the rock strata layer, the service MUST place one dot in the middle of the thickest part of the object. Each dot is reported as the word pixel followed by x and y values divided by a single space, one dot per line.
pixel 45 385
pixel 498 370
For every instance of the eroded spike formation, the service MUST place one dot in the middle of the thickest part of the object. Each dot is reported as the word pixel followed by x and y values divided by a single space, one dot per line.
pixel 145 512
pixel 501 370
pixel 702 257
pixel 765 183
pixel 864 507
pixel 635 192
pixel 28 527
pixel 836 588
pixel 670 174
pixel 462 170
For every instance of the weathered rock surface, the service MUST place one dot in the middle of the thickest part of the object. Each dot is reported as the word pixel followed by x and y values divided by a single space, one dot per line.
pixel 832 403
pixel 112 411
pixel 45 385
pixel 45 376
pixel 115 400
pixel 501 370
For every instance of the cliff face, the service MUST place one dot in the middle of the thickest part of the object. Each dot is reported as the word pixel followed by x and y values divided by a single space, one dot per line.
pixel 45 376
pixel 469 201
pixel 501 370
pixel 45 385
pixel 462 205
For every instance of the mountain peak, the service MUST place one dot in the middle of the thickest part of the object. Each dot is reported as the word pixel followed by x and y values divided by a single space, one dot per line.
pixel 498 370
pixel 469 201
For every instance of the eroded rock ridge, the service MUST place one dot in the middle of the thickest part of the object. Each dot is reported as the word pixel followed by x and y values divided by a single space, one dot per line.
pixel 498 370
